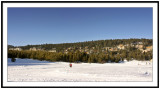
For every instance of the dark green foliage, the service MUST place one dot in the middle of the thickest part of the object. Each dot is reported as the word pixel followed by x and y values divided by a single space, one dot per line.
pixel 13 59
pixel 74 55
pixel 80 56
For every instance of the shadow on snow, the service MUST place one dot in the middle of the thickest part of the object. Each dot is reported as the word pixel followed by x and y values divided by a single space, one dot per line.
pixel 26 62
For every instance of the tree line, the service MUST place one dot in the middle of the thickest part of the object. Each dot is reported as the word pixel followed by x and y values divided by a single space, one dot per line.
pixel 116 56
pixel 75 55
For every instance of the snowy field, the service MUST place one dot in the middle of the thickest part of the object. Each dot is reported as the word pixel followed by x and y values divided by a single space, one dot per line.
pixel 43 71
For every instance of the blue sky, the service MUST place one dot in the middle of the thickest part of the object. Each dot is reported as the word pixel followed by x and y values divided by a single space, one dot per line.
pixel 28 26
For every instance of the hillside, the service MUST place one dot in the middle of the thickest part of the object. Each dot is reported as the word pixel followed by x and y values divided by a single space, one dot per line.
pixel 91 51
pixel 98 44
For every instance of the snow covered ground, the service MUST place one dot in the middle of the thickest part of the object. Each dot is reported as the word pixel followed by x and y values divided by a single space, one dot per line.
pixel 43 71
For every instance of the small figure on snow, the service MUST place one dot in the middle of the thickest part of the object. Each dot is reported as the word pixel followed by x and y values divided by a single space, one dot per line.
pixel 70 65
pixel 146 73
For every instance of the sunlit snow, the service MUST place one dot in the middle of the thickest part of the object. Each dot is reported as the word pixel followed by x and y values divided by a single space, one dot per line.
pixel 34 70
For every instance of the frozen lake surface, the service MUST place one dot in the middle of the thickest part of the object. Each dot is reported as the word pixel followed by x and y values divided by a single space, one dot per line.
pixel 44 71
